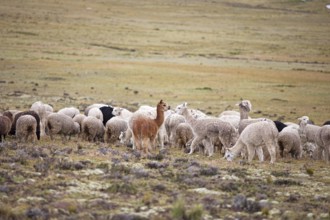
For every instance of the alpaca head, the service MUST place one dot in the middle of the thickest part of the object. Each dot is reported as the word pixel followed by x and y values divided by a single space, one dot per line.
pixel 303 120
pixel 245 105
pixel 117 111
pixel 229 155
pixel 162 106
pixel 181 108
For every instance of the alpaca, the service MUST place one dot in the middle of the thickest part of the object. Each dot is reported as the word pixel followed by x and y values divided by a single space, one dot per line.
pixel 245 107
pixel 254 137
pixel 207 130
pixel 309 134
pixel 323 136
pixel 145 129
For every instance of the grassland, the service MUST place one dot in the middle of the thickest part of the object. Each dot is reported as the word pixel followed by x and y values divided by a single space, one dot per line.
pixel 128 53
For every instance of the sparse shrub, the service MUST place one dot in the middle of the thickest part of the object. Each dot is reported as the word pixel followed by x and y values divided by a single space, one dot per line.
pixel 241 203
pixel 238 172
pixel 287 182
pixel 126 188
pixel 127 217
pixel 280 173
pixel 196 213
pixel 180 212
pixel 229 186
pixel 35 213
pixel 120 168
pixel 180 162
pixel 159 187
pixel 42 166
pixel 6 212
pixel 147 198
pixel 209 171
pixel 156 165
pixel 293 197
pixel 158 157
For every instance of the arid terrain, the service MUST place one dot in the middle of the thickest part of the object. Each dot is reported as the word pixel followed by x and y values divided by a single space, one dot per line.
pixel 208 53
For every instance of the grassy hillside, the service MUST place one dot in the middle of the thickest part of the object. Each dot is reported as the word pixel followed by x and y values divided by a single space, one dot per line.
pixel 209 53
pixel 274 53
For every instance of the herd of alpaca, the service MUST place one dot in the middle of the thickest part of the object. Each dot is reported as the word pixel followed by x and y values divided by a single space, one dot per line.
pixel 233 133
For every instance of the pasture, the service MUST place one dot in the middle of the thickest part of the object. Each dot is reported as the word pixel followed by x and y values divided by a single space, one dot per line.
pixel 210 54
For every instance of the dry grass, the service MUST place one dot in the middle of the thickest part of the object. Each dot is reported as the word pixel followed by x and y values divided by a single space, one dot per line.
pixel 128 53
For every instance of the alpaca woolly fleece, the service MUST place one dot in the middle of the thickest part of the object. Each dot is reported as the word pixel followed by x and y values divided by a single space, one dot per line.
pixel 96 105
pixel 92 129
pixel 62 124
pixel 26 126
pixel 122 113
pixel 254 137
pixel 32 113
pixel 289 143
pixel 207 129
pixel 5 125
pixel 69 111
pixel 171 124
pixel 324 140
pixel 184 135
pixel 113 129
pixel 245 107
pixel 151 112
pixel 232 119
pixel 309 133
pixel 79 118
pixel 42 110
pixel 107 113
pixel 96 112
pixel 145 129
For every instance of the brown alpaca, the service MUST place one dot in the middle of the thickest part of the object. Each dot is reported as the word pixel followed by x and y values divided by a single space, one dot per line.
pixel 145 129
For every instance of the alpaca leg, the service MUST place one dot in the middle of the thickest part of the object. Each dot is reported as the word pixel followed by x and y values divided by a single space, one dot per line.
pixel 160 137
pixel 136 145
pixel 129 136
pixel 251 152
pixel 209 148
pixel 172 139
pixel 152 144
pixel 326 152
pixel 260 153
pixel 195 143
pixel 272 152
pixel 34 138
pixel 145 146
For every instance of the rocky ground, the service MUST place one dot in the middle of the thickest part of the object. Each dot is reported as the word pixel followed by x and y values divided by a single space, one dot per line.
pixel 95 181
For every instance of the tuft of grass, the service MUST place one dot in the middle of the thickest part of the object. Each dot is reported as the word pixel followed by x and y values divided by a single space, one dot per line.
pixel 309 170
pixel 179 211
pixel 125 188
pixel 196 212
pixel 279 173
pixel 287 182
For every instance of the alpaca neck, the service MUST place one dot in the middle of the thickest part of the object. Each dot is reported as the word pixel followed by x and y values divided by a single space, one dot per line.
pixel 237 148
pixel 244 114
pixel 189 118
pixel 160 117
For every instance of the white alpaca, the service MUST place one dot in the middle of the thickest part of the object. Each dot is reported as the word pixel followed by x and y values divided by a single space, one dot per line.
pixel 208 130
pixel 254 137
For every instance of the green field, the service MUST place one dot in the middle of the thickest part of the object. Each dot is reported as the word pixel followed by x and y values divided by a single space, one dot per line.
pixel 209 53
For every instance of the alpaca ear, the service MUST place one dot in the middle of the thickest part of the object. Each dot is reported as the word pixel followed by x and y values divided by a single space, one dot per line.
pixel 185 104
pixel 161 101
